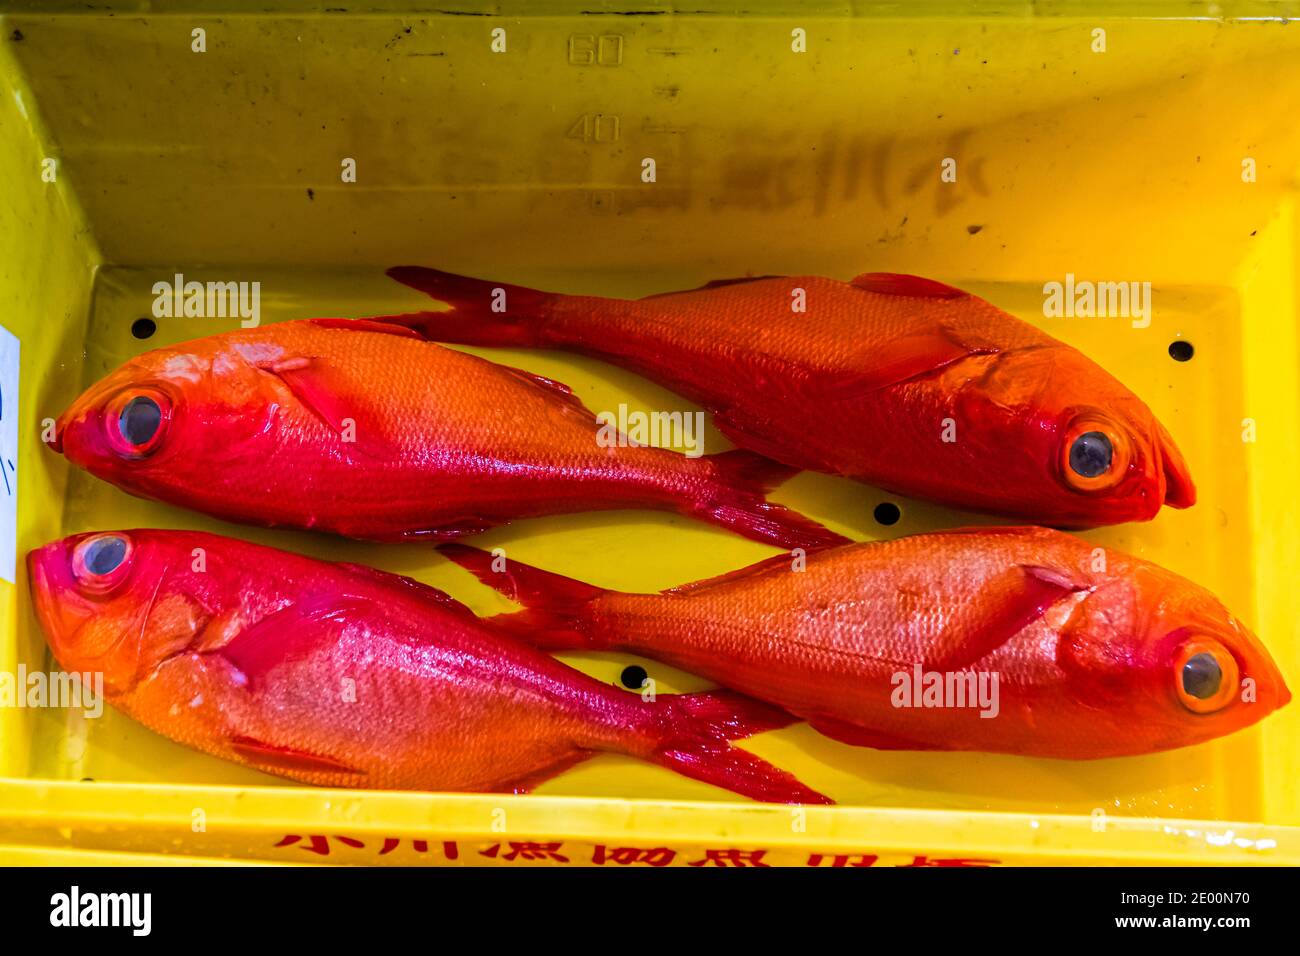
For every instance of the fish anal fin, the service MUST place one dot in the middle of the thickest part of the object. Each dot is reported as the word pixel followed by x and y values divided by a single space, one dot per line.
pixel 531 781
pixel 901 284
pixel 278 759
pixel 1005 604
pixel 556 389
pixel 855 736
pixel 750 435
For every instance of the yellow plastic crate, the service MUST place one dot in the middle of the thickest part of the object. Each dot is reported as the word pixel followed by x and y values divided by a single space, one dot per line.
pixel 525 165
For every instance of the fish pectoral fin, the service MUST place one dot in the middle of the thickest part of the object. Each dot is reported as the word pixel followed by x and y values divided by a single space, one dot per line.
pixel 278 759
pixel 855 736
pixel 292 632
pixel 1006 604
pixel 324 391
pixel 900 360
pixel 313 384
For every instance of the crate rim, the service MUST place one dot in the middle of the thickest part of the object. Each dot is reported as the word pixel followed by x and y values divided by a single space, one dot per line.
pixel 29 805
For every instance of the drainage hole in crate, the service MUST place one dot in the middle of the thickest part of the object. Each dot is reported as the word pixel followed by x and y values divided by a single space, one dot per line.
pixel 143 328
pixel 1180 350
pixel 887 513
pixel 634 676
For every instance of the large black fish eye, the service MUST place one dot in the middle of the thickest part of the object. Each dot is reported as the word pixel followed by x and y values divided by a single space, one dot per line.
pixel 139 420
pixel 1091 454
pixel 1202 676
pixel 104 555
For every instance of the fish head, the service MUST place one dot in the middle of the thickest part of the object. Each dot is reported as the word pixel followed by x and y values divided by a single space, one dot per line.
pixel 1166 659
pixel 1073 445
pixel 120 603
pixel 170 422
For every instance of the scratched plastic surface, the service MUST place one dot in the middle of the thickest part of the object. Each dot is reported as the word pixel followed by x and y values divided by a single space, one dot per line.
pixel 526 166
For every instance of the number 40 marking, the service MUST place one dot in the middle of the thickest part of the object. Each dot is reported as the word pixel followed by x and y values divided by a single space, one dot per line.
pixel 595 128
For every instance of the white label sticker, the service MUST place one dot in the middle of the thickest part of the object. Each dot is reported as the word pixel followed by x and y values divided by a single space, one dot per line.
pixel 8 454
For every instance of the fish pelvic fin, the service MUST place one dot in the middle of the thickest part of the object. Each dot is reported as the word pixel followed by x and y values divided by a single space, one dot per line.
pixel 693 734
pixel 557 610
pixel 482 312
pixel 736 498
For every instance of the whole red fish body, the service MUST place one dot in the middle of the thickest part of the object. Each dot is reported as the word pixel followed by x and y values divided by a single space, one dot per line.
pixel 341 675
pixel 1093 651
pixel 898 381
pixel 367 430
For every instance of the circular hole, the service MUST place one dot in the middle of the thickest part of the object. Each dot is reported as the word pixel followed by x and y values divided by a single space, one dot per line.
pixel 143 328
pixel 1180 350
pixel 634 676
pixel 887 513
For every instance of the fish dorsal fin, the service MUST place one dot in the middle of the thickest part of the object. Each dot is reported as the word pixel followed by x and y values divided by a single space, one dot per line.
pixel 712 284
pixel 1004 606
pixel 384 325
pixel 782 561
pixel 898 283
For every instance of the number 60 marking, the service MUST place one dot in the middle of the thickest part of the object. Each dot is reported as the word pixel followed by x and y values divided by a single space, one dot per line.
pixel 586 49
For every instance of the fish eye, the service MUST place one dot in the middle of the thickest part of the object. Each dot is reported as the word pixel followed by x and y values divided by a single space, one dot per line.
pixel 1095 455
pixel 138 421
pixel 1091 454
pixel 1202 676
pixel 1206 676
pixel 98 560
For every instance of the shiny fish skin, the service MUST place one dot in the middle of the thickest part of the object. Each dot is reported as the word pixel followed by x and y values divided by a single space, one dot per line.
pixel 341 675
pixel 901 382
pixel 1088 661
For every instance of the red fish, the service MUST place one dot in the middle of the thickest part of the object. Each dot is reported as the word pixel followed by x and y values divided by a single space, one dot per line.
pixel 367 430
pixel 342 675
pixel 898 381
pixel 1012 640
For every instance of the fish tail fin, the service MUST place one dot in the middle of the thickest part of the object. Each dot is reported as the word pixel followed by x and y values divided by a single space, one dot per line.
pixel 555 614
pixel 737 499
pixel 482 312
pixel 694 735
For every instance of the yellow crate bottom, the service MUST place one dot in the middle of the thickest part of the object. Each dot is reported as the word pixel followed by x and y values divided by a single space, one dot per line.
pixel 113 785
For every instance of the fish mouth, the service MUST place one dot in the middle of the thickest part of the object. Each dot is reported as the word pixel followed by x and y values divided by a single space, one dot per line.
pixel 43 588
pixel 1180 492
